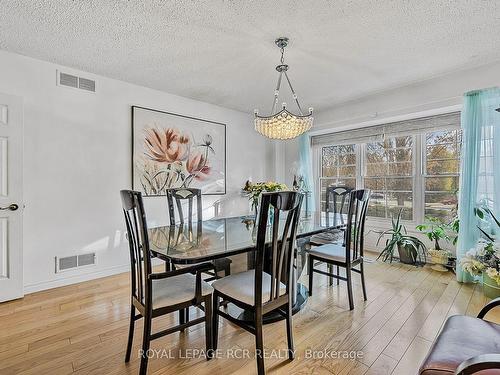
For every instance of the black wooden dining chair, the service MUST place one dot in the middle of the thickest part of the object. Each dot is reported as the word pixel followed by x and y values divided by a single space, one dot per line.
pixel 258 291
pixel 189 194
pixel 335 202
pixel 350 254
pixel 175 198
pixel 157 294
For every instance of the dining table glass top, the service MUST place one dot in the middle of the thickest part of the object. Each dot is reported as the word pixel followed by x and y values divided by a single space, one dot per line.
pixel 221 237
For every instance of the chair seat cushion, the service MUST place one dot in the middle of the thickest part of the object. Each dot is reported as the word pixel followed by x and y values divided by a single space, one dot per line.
pixel 241 287
pixel 329 252
pixel 333 236
pixel 176 289
pixel 462 337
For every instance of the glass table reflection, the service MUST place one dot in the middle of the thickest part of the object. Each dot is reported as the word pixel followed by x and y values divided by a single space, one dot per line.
pixel 226 237
pixel 223 237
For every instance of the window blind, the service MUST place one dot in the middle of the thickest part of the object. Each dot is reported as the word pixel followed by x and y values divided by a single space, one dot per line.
pixel 376 133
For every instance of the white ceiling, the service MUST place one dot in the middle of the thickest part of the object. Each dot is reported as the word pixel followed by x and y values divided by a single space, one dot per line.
pixel 222 52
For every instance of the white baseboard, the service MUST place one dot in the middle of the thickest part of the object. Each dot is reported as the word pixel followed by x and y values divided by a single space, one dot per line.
pixel 44 285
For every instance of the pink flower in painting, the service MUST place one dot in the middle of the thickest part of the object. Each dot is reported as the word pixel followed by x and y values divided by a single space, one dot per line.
pixel 166 145
pixel 197 166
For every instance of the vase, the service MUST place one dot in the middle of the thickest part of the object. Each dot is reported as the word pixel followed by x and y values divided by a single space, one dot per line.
pixel 406 254
pixel 491 288
pixel 440 259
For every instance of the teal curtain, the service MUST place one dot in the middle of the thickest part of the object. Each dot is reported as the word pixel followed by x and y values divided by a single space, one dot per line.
pixel 305 169
pixel 479 178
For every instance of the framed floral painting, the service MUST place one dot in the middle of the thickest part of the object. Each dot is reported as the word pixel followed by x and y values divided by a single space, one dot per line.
pixel 171 151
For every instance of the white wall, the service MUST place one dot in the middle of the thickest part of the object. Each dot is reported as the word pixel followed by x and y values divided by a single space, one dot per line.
pixel 77 156
pixel 438 95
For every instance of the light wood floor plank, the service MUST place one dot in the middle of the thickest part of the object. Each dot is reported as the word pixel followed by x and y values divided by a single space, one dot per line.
pixel 82 329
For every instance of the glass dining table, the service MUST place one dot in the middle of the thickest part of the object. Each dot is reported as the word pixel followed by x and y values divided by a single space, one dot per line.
pixel 228 237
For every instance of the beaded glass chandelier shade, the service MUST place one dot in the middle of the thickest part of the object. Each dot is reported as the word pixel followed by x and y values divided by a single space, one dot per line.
pixel 283 124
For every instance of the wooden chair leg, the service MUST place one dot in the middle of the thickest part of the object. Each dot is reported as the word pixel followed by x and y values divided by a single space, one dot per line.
pixel 362 268
pixel 330 270
pixel 186 314
pixel 259 344
pixel 289 331
pixel 310 265
pixel 146 339
pixel 215 324
pixel 208 327
pixel 182 316
pixel 349 287
pixel 338 274
pixel 130 333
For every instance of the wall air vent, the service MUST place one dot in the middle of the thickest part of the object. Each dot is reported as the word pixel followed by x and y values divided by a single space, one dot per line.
pixel 74 261
pixel 70 80
pixel 86 84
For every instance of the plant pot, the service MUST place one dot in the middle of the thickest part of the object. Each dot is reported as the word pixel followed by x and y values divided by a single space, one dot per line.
pixel 440 259
pixel 406 254
pixel 491 289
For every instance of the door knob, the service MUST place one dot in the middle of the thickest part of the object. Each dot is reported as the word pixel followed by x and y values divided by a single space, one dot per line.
pixel 11 207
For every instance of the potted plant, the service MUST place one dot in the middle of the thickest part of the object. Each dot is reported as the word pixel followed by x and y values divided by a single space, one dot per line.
pixel 410 249
pixel 484 259
pixel 435 231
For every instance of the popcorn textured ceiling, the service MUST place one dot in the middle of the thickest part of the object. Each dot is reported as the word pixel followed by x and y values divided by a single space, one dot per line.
pixel 223 52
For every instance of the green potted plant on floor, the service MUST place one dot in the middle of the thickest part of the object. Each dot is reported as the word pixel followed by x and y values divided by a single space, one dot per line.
pixel 484 259
pixel 410 249
pixel 435 231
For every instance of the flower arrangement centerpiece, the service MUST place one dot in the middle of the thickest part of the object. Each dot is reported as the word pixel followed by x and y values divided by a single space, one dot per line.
pixel 484 259
pixel 254 190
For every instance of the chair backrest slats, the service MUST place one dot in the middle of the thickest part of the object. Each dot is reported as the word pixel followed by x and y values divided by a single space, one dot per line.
pixel 336 200
pixel 356 217
pixel 178 195
pixel 283 254
pixel 137 231
pixel 281 244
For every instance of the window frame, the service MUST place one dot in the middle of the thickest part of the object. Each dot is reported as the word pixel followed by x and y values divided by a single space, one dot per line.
pixel 418 177
pixel 424 173
pixel 413 165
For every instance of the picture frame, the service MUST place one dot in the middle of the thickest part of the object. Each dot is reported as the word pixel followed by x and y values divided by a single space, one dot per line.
pixel 171 150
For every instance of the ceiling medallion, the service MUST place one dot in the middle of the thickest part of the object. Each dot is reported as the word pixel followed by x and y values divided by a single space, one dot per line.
pixel 283 124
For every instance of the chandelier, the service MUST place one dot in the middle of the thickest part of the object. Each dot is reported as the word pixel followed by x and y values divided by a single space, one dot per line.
pixel 283 124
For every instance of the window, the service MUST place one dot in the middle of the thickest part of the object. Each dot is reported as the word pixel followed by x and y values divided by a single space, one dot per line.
pixel 486 181
pixel 441 173
pixel 389 174
pixel 338 167
pixel 417 173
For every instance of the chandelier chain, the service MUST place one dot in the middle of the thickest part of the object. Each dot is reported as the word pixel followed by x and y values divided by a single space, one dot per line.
pixel 295 97
pixel 277 92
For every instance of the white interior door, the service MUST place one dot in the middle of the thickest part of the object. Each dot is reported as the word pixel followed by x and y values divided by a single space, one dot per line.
pixel 11 197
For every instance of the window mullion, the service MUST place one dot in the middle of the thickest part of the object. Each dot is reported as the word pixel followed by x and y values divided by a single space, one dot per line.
pixel 418 183
pixel 360 165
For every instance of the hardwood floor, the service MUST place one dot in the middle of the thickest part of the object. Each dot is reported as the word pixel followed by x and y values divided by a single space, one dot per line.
pixel 82 329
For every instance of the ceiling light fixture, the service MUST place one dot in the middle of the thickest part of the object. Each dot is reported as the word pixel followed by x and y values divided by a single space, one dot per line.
pixel 283 124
